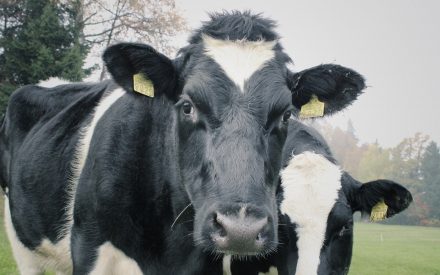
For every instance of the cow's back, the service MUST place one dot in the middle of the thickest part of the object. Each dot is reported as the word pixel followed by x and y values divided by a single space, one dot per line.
pixel 38 140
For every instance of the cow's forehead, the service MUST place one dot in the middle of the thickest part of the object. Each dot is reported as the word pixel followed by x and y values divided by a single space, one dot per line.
pixel 250 75
pixel 239 59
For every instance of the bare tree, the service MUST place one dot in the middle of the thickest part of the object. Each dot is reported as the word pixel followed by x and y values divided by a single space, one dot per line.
pixel 153 22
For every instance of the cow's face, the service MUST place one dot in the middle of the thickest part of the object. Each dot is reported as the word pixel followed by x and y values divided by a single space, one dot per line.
pixel 232 99
pixel 232 123
pixel 320 200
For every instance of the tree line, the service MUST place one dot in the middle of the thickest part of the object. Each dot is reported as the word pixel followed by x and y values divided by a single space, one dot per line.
pixel 40 39
pixel 414 162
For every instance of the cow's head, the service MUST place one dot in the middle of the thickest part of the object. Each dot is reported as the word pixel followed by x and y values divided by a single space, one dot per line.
pixel 232 96
pixel 320 200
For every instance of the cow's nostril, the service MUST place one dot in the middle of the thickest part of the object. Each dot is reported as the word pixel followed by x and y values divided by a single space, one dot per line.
pixel 240 233
pixel 221 231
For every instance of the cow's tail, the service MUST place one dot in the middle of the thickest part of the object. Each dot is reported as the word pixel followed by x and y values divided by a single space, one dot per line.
pixel 4 156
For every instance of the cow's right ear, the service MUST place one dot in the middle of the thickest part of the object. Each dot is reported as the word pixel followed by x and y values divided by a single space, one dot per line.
pixel 125 60
pixel 334 85
pixel 366 196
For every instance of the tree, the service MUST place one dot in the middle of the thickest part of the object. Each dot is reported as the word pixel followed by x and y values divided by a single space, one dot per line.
pixel 45 45
pixel 405 168
pixel 153 22
pixel 406 160
pixel 39 39
pixel 344 145
pixel 430 170
pixel 375 163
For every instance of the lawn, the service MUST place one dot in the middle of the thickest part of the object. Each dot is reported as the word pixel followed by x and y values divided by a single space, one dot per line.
pixel 7 264
pixel 378 249
pixel 394 249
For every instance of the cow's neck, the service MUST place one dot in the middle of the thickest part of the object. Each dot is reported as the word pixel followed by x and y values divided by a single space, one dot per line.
pixel 169 192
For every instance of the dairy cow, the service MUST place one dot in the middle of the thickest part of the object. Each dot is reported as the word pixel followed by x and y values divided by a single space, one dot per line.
pixel 171 167
pixel 317 202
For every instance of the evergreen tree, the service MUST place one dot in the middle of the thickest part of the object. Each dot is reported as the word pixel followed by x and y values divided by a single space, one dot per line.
pixel 39 39
pixel 46 45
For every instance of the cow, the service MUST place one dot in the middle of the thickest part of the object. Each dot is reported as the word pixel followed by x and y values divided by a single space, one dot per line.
pixel 169 166
pixel 317 201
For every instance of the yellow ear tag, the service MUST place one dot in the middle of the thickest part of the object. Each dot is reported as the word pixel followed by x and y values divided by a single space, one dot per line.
pixel 314 108
pixel 143 85
pixel 379 212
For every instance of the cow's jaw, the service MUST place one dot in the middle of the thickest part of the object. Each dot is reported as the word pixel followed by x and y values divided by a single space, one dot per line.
pixel 311 184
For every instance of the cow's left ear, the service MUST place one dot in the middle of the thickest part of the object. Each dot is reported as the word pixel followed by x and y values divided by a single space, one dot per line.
pixel 396 197
pixel 125 60
pixel 335 85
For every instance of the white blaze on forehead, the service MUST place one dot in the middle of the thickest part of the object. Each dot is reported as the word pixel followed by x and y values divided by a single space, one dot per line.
pixel 311 184
pixel 239 59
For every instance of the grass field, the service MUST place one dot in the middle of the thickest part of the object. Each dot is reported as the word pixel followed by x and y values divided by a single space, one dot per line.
pixel 393 249
pixel 378 249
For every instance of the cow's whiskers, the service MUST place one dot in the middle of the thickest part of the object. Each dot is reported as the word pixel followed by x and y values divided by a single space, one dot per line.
pixel 180 214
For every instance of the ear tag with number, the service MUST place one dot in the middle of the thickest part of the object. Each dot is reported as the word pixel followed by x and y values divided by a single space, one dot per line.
pixel 379 212
pixel 314 108
pixel 143 85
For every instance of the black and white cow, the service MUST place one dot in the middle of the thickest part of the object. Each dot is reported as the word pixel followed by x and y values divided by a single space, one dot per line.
pixel 317 202
pixel 102 180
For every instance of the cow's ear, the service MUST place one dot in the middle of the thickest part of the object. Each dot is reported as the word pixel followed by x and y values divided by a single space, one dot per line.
pixel 125 60
pixel 334 85
pixel 396 197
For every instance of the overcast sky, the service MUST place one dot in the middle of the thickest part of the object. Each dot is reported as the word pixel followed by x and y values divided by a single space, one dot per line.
pixel 395 44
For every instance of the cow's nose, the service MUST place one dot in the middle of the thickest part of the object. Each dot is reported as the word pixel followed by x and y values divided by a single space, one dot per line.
pixel 240 233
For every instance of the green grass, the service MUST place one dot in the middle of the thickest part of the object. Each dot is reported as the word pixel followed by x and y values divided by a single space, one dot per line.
pixel 7 264
pixel 393 249
pixel 378 249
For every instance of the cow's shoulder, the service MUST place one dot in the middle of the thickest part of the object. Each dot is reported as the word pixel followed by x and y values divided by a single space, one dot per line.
pixel 33 103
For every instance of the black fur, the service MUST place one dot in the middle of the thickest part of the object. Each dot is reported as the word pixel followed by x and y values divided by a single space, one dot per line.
pixel 236 25
pixel 4 158
pixel 335 85
pixel 126 59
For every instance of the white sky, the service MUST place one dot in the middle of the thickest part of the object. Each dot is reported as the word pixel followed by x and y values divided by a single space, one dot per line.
pixel 395 44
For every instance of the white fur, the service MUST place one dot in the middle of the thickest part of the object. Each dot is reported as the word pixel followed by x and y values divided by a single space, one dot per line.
pixel 53 82
pixel 227 265
pixel 112 261
pixel 239 59
pixel 272 271
pixel 311 184
pixel 56 256
pixel 46 256
pixel 82 151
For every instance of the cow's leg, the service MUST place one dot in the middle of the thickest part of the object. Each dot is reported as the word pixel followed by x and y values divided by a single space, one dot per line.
pixel 27 262
pixel 101 259
pixel 96 258
pixel 84 250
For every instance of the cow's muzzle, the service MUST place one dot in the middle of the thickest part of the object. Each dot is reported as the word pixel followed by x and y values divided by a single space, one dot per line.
pixel 241 229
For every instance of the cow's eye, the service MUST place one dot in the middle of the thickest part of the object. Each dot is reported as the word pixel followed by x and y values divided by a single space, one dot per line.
pixel 286 116
pixel 187 108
